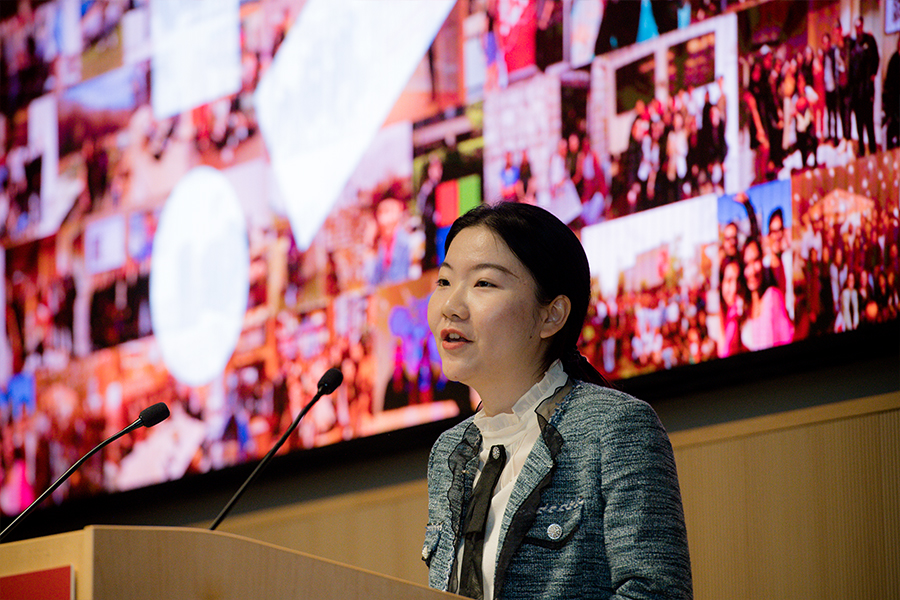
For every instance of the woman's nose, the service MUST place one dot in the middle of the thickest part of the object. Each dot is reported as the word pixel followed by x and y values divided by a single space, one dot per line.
pixel 455 304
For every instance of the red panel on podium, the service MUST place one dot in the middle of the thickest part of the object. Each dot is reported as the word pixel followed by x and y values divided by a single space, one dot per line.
pixel 46 584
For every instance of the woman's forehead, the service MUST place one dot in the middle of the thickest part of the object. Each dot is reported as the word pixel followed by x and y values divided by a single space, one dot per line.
pixel 481 247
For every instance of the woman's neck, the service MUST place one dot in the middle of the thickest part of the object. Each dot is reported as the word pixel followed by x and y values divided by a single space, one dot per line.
pixel 755 303
pixel 500 396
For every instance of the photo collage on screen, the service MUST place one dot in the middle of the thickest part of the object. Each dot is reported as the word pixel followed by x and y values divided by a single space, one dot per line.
pixel 715 159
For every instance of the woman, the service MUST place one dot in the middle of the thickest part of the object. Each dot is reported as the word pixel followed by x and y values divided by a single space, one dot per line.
pixel 837 271
pixel 563 195
pixel 882 298
pixel 676 156
pixel 388 239
pixel 509 180
pixel 731 307
pixel 767 323
pixel 803 112
pixel 593 184
pixel 850 303
pixel 818 84
pixel 587 503
pixel 759 143
pixel 787 90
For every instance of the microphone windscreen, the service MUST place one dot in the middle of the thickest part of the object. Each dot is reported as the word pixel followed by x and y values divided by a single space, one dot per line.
pixel 152 415
pixel 330 380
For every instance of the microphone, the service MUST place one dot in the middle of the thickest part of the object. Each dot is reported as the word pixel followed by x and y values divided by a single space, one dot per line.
pixel 149 417
pixel 330 381
pixel 327 384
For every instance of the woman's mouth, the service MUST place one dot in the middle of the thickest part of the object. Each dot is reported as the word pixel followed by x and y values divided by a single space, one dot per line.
pixel 452 339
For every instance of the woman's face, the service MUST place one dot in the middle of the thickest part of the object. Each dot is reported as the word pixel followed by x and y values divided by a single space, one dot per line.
pixel 729 241
pixel 776 234
pixel 730 283
pixel 484 313
pixel 562 147
pixel 388 214
pixel 753 267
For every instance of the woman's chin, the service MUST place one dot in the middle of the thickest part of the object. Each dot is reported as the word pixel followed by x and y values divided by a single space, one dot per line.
pixel 455 376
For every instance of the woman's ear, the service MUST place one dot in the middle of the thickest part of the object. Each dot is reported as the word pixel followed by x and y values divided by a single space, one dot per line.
pixel 555 316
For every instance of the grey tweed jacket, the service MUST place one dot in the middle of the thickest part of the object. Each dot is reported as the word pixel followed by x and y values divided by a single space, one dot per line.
pixel 595 512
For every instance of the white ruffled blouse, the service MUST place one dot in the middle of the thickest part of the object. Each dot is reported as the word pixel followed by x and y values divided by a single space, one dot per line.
pixel 517 432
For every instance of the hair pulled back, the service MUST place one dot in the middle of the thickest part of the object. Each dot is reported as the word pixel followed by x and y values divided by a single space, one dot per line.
pixel 556 260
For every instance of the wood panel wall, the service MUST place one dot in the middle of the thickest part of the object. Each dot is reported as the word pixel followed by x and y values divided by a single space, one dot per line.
pixel 805 504
pixel 801 504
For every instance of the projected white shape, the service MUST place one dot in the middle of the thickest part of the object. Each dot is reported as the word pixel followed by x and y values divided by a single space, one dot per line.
pixel 333 82
pixel 200 276
pixel 196 53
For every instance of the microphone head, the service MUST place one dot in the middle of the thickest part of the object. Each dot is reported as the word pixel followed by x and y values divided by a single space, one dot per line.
pixel 152 415
pixel 330 381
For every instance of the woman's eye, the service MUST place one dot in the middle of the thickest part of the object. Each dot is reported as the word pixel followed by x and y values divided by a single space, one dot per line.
pixel 482 283
pixel 441 282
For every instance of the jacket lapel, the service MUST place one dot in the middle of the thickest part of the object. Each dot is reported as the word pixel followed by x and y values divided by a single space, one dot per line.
pixel 462 464
pixel 536 474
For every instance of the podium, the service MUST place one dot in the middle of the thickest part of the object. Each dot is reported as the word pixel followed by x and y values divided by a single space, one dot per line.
pixel 114 562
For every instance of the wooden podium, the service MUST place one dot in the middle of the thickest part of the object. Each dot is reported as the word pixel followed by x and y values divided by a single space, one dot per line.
pixel 112 562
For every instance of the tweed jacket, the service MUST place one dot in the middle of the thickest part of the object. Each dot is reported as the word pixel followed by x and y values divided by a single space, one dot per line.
pixel 594 513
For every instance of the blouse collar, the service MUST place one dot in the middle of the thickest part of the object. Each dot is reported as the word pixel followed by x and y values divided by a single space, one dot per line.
pixel 505 423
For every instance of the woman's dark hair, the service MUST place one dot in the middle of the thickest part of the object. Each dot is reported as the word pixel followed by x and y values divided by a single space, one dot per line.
pixel 741 281
pixel 397 189
pixel 556 260
pixel 778 212
pixel 767 280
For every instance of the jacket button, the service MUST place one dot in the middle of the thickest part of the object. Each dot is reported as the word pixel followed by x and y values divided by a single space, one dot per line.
pixel 554 532
pixel 424 552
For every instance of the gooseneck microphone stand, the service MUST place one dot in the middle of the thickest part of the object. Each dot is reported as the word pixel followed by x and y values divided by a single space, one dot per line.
pixel 149 417
pixel 327 384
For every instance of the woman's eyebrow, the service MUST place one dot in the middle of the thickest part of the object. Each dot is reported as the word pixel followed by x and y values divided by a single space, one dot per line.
pixel 483 266
pixel 494 266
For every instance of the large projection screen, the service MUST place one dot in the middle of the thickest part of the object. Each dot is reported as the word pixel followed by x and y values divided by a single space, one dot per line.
pixel 211 203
